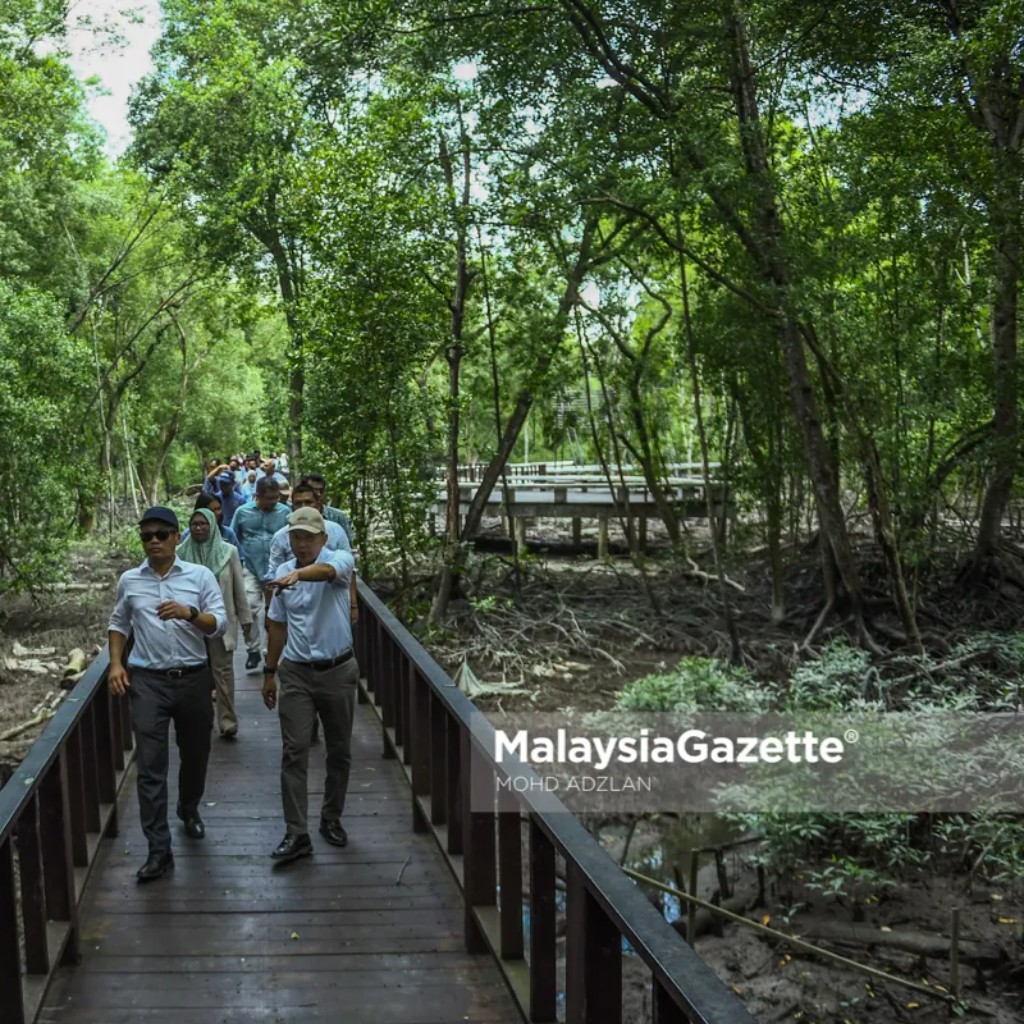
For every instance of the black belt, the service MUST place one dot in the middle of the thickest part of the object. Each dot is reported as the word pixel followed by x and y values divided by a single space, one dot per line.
pixel 176 672
pixel 323 666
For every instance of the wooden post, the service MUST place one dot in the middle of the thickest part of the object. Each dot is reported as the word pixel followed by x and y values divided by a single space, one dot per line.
pixel 954 952
pixel 593 957
pixel 643 533
pixel 10 960
pixel 510 876
pixel 602 537
pixel 577 530
pixel 543 984
pixel 691 910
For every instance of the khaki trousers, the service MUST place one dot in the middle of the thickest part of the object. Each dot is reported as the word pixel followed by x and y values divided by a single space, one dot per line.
pixel 304 694
pixel 223 668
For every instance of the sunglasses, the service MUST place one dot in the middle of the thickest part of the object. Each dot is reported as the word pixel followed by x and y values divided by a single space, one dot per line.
pixel 147 535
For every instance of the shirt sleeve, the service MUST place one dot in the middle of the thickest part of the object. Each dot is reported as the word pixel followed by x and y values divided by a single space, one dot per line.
pixel 236 525
pixel 280 552
pixel 121 616
pixel 276 610
pixel 343 563
pixel 338 538
pixel 212 600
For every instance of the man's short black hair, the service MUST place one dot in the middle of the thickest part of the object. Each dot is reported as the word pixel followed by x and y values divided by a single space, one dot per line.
pixel 313 478
pixel 266 484
pixel 304 486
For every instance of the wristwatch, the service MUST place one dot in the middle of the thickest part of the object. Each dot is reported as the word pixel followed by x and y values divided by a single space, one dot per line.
pixel 193 613
pixel 268 671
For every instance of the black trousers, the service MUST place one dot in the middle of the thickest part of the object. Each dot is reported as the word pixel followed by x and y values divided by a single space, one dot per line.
pixel 156 701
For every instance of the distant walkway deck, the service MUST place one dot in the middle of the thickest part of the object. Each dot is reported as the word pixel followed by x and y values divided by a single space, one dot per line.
pixel 370 933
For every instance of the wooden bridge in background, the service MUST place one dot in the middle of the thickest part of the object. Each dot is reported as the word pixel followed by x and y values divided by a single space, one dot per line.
pixel 441 909
pixel 563 490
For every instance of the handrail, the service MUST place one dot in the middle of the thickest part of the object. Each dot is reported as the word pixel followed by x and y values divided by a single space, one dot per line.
pixel 62 800
pixel 54 809
pixel 445 746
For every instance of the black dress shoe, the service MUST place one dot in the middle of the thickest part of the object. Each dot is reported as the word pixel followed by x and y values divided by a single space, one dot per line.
pixel 194 827
pixel 229 734
pixel 292 847
pixel 252 662
pixel 157 864
pixel 333 832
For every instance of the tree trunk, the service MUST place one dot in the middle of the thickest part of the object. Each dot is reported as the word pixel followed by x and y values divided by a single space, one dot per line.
pixel 287 265
pixel 457 306
pixel 774 269
pixel 170 431
pixel 524 401
pixel 1005 214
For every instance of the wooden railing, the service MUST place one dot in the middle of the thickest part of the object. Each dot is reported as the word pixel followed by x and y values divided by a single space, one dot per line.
pixel 472 472
pixel 445 748
pixel 54 811
pixel 62 800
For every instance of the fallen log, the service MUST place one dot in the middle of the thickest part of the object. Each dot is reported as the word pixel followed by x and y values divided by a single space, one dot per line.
pixel 978 954
pixel 77 660
pixel 42 716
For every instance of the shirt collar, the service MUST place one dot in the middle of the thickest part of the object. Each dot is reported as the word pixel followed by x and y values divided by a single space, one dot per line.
pixel 176 565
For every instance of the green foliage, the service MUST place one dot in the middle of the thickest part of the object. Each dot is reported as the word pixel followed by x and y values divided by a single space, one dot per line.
pixel 834 681
pixel 844 877
pixel 696 684
pixel 43 377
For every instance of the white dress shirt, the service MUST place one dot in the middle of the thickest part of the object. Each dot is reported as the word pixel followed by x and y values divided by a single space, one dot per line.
pixel 171 643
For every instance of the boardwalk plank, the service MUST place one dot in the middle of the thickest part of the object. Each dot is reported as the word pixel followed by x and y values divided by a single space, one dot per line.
pixel 228 938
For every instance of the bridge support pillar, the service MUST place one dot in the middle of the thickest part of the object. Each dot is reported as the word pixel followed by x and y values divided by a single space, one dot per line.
pixel 602 537
pixel 643 533
pixel 520 535
pixel 577 530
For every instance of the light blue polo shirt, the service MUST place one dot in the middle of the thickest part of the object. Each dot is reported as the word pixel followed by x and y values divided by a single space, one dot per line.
pixel 174 643
pixel 281 547
pixel 317 614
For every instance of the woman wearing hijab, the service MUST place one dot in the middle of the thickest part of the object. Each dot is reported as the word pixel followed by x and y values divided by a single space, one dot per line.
pixel 213 503
pixel 204 545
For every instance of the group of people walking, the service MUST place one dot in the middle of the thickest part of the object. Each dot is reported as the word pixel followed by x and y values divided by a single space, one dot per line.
pixel 292 566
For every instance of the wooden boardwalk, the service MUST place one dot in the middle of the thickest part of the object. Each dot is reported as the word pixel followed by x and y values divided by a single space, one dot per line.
pixel 369 933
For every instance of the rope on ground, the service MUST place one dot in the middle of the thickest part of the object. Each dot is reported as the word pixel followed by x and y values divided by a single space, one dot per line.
pixel 792 940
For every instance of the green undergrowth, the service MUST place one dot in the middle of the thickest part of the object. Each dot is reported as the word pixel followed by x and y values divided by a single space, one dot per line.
pixel 857 858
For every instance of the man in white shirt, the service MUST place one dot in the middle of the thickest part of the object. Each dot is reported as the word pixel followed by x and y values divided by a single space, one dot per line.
pixel 309 650
pixel 169 607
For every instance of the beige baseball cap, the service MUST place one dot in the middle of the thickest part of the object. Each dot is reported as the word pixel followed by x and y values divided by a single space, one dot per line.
pixel 306 519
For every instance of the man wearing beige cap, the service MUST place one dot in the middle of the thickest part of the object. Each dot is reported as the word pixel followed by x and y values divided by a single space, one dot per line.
pixel 309 651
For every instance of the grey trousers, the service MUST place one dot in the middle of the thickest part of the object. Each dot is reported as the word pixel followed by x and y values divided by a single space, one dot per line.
pixel 254 594
pixel 302 695
pixel 222 664
pixel 156 701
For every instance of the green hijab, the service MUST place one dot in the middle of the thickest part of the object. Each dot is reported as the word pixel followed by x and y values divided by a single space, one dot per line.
pixel 214 552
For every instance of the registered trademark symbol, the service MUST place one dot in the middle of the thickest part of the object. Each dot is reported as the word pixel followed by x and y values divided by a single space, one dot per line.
pixel 851 736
